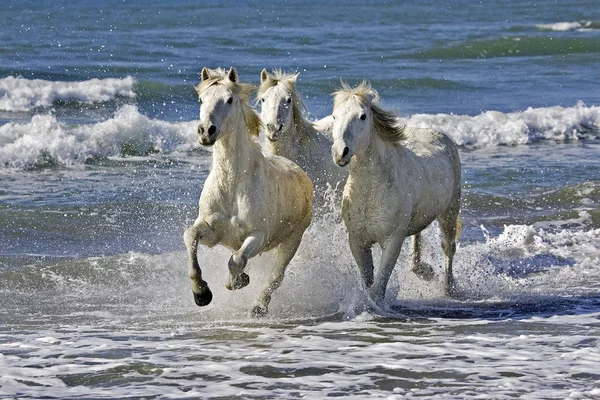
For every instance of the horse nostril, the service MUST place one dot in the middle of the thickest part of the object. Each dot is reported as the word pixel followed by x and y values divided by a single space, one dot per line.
pixel 280 127
pixel 201 130
pixel 345 152
pixel 212 129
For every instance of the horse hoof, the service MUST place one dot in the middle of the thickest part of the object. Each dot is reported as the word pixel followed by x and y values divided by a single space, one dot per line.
pixel 424 271
pixel 204 297
pixel 259 311
pixel 240 281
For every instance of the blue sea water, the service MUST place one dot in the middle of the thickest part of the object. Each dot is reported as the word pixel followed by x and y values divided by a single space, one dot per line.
pixel 100 172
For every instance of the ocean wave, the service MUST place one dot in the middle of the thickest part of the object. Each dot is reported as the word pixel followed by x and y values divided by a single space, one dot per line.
pixel 493 128
pixel 45 141
pixel 569 26
pixel 20 94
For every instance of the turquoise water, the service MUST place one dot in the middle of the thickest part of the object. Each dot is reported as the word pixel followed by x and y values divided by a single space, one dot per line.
pixel 100 172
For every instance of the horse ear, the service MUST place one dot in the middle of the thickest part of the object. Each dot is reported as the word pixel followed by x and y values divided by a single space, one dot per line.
pixel 295 77
pixel 232 75
pixel 205 74
pixel 264 75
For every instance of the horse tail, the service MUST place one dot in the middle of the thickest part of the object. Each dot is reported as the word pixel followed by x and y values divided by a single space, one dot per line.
pixel 459 226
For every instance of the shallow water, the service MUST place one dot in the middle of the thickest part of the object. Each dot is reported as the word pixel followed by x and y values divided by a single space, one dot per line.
pixel 100 172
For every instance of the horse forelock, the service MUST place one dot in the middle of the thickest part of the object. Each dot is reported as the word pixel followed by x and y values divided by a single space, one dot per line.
pixel 385 123
pixel 243 90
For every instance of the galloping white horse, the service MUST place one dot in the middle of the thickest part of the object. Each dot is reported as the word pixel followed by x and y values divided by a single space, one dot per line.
pixel 400 181
pixel 251 202
pixel 291 135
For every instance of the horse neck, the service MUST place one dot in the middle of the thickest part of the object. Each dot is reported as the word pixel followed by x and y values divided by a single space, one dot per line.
pixel 378 159
pixel 234 153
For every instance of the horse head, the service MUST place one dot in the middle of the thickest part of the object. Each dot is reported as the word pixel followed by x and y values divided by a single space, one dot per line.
pixel 280 104
pixel 352 121
pixel 218 103
pixel 357 117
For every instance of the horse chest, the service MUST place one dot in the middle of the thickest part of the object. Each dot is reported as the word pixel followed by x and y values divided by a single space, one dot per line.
pixel 366 214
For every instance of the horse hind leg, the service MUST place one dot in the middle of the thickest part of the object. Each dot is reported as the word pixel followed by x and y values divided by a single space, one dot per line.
pixel 420 268
pixel 450 226
pixel 283 255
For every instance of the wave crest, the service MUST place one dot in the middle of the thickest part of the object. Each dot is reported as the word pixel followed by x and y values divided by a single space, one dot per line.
pixel 20 94
pixel 493 128
pixel 45 141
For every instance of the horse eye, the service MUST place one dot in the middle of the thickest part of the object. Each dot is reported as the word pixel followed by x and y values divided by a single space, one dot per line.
pixel 263 99
pixel 200 101
pixel 230 100
pixel 363 117
pixel 289 100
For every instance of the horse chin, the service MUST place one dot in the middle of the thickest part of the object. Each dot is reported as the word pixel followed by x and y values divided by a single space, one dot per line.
pixel 273 138
pixel 207 142
pixel 342 162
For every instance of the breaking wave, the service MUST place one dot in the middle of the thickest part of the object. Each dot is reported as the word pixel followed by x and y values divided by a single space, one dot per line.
pixel 20 94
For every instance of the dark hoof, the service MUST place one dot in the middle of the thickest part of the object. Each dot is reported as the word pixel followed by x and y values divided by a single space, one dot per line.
pixel 204 297
pixel 240 281
pixel 259 311
pixel 424 271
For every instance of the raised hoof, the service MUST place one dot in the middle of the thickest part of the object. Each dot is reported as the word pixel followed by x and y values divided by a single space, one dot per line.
pixel 204 297
pixel 240 281
pixel 424 271
pixel 259 311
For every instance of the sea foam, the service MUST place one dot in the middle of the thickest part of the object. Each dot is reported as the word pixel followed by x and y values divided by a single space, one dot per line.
pixel 20 94
pixel 493 128
pixel 569 26
pixel 45 140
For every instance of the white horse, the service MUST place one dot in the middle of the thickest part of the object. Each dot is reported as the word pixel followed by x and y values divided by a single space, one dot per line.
pixel 400 181
pixel 290 135
pixel 251 202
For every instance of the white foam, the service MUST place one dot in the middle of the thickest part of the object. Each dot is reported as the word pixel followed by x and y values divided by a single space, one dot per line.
pixel 493 128
pixel 566 26
pixel 20 94
pixel 44 138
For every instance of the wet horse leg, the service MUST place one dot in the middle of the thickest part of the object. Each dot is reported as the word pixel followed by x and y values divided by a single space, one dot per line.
pixel 252 245
pixel 364 258
pixel 283 255
pixel 421 269
pixel 199 232
pixel 391 250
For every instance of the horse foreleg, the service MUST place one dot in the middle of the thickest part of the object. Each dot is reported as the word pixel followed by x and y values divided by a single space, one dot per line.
pixel 251 247
pixel 283 255
pixel 421 269
pixel 391 250
pixel 199 232
pixel 364 258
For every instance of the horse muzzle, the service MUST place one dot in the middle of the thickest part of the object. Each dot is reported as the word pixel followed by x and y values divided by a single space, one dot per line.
pixel 342 159
pixel 274 132
pixel 208 137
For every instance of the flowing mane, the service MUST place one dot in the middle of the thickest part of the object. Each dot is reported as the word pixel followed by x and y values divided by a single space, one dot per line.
pixel 243 90
pixel 385 123
pixel 288 81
